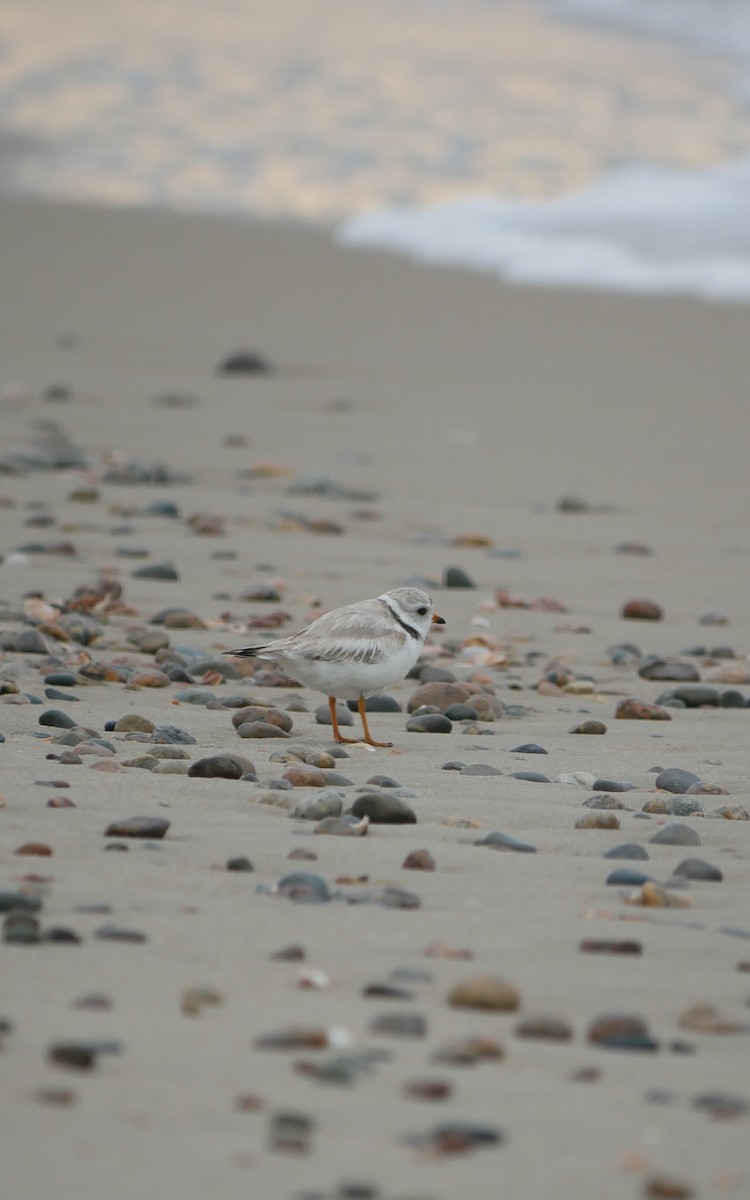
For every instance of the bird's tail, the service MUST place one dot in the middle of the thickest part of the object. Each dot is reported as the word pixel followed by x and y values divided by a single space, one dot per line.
pixel 246 652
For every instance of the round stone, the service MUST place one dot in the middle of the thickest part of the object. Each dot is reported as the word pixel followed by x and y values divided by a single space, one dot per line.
pixel 676 834
pixel 217 766
pixel 598 820
pixel 530 776
pixel 641 610
pixel 134 723
pixel 529 748
pixel 377 704
pixel 161 571
pixel 629 850
pixel 419 860
pixel 485 992
pixel 668 668
pixel 640 710
pixel 260 729
pixel 153 828
pixel 547 1029
pixel 456 577
pixel 589 727
pixel 503 841
pixel 698 869
pixel 675 779
pixel 383 808
pixel 430 723
pixel 57 719
pixel 316 808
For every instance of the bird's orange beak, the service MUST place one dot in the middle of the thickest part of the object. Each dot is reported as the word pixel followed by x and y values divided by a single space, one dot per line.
pixel 436 620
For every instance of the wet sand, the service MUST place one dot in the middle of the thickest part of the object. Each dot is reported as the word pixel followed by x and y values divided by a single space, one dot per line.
pixel 463 411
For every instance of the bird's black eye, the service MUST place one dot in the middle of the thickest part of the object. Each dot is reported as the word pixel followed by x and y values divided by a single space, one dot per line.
pixel 421 611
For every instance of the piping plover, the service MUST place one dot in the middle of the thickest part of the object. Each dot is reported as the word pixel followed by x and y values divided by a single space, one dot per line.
pixel 356 651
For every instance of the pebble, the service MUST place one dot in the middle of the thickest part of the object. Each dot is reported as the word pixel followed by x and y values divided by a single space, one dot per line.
pixel 458 1137
pixel 344 716
pixel 138 827
pixel 480 769
pixel 419 860
pixel 598 820
pixel 651 895
pixel 469 1051
pixel 382 781
pixel 429 723
pixel 166 572
pixel 21 928
pixel 377 704
pixel 383 808
pixel 220 766
pixel 676 834
pixel 239 863
pixel 11 901
pixel 531 776
pixel 705 1018
pixel 640 710
pixel 676 779
pixel 260 729
pixel 589 727
pixel 461 712
pixel 456 577
pixel 641 610
pixel 698 869
pixel 503 841
pixel 172 735
pixel 249 713
pixel 306 777
pixel 485 992
pixel 658 668
pixel 79 1055
pixel 52 693
pixel 666 1187
pixel 613 785
pixel 549 1029
pixel 170 767
pixel 304 888
pixel 400 1024
pixel 316 808
pixel 577 778
pixel 604 802
pixel 702 788
pixel 427 1089
pixel 694 695
pixel 621 1032
pixel 685 806
pixel 721 1105
pixel 626 877
pixel 57 719
pixel 609 946
pixel 387 897
pixel 34 849
pixel 627 850
pixel 529 748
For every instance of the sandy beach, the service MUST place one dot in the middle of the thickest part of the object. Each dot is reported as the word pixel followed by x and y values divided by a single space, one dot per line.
pixel 567 452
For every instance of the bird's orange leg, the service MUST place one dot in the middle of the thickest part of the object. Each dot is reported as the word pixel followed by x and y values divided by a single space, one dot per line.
pixel 337 734
pixel 368 735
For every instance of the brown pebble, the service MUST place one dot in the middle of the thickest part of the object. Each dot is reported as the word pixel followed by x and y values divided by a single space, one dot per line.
pixel 651 895
pixel 268 716
pixel 34 848
pixel 302 854
pixel 419 860
pixel 598 820
pixel 585 1075
pixel 428 1089
pixel 666 1187
pixel 293 953
pixel 194 1000
pixel 485 992
pixel 60 802
pixel 470 1050
pixel 640 710
pixel 590 727
pixel 447 950
pixel 614 1026
pixel 704 1018
pixel 149 679
pixel 609 946
pixel 306 777
pixel 642 610
pixel 248 1102
pixel 550 1029
pixel 60 1097
pixel 134 722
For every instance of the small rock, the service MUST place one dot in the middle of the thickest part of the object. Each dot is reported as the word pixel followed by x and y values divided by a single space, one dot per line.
pixel 626 877
pixel 627 850
pixel 705 1018
pixel 598 820
pixel 429 723
pixel 344 716
pixel 419 860
pixel 153 828
pixel 134 723
pixel 240 863
pixel 676 780
pixel 530 776
pixel 485 992
pixel 455 577
pixel 658 668
pixel 217 766
pixel 402 1025
pixel 57 719
pixel 304 888
pixel 604 802
pixel 609 946
pixel 166 572
pixel 306 777
pixel 480 769
pixel 676 834
pixel 589 727
pixel 699 870
pixel 641 610
pixel 316 808
pixel 34 849
pixel 640 710
pixel 548 1029
pixel 621 1032
pixel 503 841
pixel 529 748
pixel 383 809
pixel 427 1089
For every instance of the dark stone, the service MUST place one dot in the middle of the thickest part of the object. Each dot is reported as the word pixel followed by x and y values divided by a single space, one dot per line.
pixel 61 679
pixel 698 869
pixel 81 627
pixel 117 933
pixel 80 1055
pixel 461 712
pixel 654 667
pixel 676 780
pixel 383 809
pixel 676 834
pixel 161 571
pixel 161 508
pixel 171 735
pixel 640 710
pixel 627 850
pixel 431 723
pixel 641 610
pixel 239 864
pixel 480 769
pixel 456 577
pixel 57 718
pixel 627 877
pixel 52 693
pixel 609 946
pixel 377 704
pixel 217 766
pixel 21 928
pixel 529 748
pixel 29 641
pixel 138 827
pixel 530 776
pixel 10 901
pixel 613 785
pixel 61 936
pixel 503 841
pixel 697 695
pixel 260 729
pixel 244 362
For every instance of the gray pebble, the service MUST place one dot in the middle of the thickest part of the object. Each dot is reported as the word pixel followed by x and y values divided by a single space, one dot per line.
pixel 399 1024
pixel 503 841
pixel 604 801
pixel 676 780
pixel 323 714
pixel 627 877
pixel 217 766
pixel 530 776
pixel 138 827
pixel 315 808
pixel 480 769
pixel 627 850
pixel 685 806
pixel 698 869
pixel 162 571
pixel 529 748
pixel 430 723
pixel 676 834
pixel 461 712
pixel 377 704
pixel 57 719
pixel 613 785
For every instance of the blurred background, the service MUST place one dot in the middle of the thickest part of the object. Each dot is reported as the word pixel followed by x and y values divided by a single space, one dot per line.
pixel 595 142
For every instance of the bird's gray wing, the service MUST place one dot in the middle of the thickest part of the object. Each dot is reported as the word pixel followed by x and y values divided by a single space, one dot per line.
pixel 360 633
